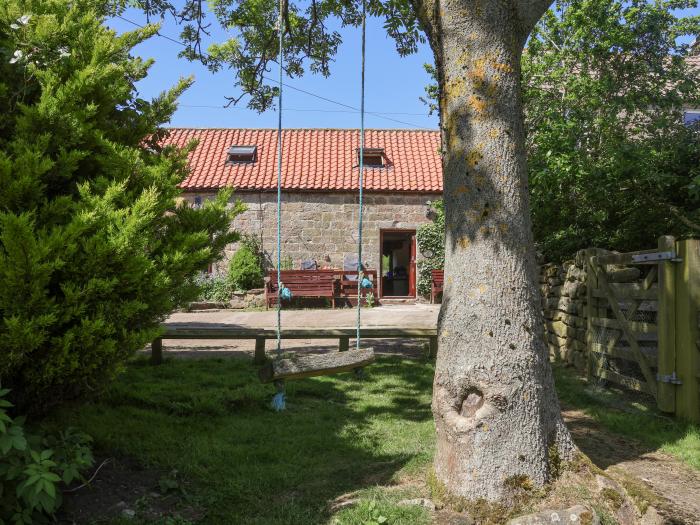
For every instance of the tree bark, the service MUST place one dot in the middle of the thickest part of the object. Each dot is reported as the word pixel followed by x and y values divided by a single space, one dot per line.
pixel 496 411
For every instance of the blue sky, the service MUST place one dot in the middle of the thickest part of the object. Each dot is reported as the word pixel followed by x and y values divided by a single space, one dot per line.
pixel 393 85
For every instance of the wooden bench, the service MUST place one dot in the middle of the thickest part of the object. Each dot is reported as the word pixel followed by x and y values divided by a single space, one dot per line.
pixel 436 284
pixel 314 284
pixel 260 335
pixel 346 286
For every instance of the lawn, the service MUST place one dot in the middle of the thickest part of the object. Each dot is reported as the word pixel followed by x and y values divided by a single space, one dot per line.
pixel 209 419
pixel 369 440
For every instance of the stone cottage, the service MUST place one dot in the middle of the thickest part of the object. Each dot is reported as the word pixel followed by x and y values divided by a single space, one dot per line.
pixel 320 181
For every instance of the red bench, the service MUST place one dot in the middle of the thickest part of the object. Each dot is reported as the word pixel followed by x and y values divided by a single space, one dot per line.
pixel 302 283
pixel 437 282
pixel 346 287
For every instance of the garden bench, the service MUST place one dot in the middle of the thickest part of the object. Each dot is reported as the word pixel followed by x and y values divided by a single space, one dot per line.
pixel 346 286
pixel 436 284
pixel 314 284
pixel 260 335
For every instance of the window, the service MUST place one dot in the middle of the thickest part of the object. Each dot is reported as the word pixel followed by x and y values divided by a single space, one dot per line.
pixel 691 117
pixel 371 157
pixel 242 154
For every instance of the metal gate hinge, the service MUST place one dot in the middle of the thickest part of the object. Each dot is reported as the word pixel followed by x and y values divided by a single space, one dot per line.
pixel 672 378
pixel 656 256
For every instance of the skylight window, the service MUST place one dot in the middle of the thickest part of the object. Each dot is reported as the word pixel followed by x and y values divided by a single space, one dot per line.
pixel 242 154
pixel 371 157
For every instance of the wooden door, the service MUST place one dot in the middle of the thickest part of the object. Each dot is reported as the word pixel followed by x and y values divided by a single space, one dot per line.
pixel 412 268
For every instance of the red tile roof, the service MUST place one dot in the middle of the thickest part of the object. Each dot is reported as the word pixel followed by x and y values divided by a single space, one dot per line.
pixel 313 159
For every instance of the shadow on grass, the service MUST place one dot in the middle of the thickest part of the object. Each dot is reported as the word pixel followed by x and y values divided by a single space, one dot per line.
pixel 612 425
pixel 210 420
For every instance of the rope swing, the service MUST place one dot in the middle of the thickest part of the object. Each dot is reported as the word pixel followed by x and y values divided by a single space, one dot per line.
pixel 361 280
pixel 308 366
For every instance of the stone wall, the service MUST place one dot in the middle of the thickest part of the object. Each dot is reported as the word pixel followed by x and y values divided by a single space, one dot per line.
pixel 323 226
pixel 563 292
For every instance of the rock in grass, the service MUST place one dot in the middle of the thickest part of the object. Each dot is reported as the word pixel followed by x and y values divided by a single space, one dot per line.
pixel 652 517
pixel 420 502
pixel 578 514
pixel 617 499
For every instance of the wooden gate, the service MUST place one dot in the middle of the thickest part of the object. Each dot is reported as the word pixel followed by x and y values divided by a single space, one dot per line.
pixel 642 322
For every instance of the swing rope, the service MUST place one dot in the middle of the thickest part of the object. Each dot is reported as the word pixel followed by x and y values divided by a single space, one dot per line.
pixel 361 184
pixel 278 401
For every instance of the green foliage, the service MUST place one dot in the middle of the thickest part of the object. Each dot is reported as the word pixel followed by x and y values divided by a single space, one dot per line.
pixel 95 249
pixel 431 238
pixel 611 163
pixel 214 287
pixel 32 467
pixel 245 270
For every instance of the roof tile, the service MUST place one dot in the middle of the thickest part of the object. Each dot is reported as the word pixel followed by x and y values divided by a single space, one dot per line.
pixel 313 159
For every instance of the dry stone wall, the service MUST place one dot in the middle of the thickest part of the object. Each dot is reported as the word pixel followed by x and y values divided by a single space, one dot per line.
pixel 563 290
pixel 563 293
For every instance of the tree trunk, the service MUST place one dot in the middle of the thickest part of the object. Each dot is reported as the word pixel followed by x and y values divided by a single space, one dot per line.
pixel 496 411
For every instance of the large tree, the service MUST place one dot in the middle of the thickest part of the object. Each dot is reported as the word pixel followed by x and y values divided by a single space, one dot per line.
pixel 495 408
pixel 95 249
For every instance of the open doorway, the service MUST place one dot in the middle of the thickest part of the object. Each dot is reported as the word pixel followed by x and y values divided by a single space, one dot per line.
pixel 398 267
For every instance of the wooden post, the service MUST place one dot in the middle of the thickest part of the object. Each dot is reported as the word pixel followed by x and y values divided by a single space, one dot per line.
pixel 687 309
pixel 666 322
pixel 432 346
pixel 259 357
pixel 343 344
pixel 157 351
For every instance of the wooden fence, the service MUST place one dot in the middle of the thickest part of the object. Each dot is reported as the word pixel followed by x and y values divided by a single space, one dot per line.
pixel 643 319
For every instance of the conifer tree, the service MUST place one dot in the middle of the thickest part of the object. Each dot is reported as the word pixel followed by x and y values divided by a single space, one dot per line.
pixel 96 247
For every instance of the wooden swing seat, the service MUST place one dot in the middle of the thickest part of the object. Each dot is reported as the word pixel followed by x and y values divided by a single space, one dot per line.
pixel 298 367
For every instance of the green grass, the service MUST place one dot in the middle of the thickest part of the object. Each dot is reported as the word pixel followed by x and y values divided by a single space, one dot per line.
pixel 210 420
pixel 630 415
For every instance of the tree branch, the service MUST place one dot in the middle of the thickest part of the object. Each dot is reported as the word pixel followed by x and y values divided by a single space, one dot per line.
pixel 530 11
pixel 685 220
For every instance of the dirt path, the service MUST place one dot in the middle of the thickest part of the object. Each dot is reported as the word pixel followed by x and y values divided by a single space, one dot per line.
pixel 674 485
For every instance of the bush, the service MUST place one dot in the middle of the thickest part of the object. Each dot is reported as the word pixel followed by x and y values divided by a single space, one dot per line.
pixel 216 288
pixel 32 467
pixel 431 237
pixel 95 248
pixel 245 269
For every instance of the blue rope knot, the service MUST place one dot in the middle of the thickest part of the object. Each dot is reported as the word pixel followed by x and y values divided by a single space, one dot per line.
pixel 278 401
pixel 366 283
pixel 285 293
